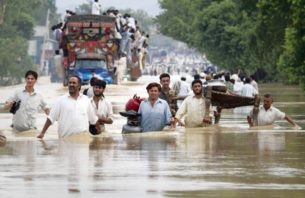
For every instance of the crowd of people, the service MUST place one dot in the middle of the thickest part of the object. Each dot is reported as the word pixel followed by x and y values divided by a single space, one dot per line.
pixel 76 112
pixel 132 41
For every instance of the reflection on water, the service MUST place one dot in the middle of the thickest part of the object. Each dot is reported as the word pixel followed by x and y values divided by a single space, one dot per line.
pixel 228 160
pixel 198 162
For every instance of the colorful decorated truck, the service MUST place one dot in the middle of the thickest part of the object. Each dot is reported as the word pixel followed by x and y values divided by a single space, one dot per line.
pixel 90 49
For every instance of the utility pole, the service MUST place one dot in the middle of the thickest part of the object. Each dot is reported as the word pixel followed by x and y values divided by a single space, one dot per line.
pixel 2 10
pixel 44 44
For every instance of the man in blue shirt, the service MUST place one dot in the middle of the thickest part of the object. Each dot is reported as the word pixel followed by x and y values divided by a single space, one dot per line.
pixel 155 112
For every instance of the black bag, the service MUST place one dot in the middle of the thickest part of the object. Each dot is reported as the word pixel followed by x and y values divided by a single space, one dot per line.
pixel 92 129
pixel 15 107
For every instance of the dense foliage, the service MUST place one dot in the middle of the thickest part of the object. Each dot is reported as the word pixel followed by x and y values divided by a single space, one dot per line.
pixel 242 34
pixel 17 21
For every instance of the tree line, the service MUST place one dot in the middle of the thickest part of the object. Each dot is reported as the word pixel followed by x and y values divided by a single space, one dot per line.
pixel 17 21
pixel 250 35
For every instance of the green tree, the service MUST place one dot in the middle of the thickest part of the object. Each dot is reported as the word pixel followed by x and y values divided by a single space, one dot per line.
pixel 242 34
pixel 14 60
pixel 17 20
pixel 292 61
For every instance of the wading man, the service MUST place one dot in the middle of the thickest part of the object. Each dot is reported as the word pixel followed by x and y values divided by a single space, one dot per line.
pixel 268 114
pixel 102 108
pixel 193 108
pixel 30 102
pixel 73 112
pixel 168 94
pixel 155 113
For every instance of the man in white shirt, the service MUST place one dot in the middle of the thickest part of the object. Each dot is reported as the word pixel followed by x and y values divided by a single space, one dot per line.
pixel 102 108
pixel 72 111
pixel 253 82
pixel 248 91
pixel 193 108
pixel 96 8
pixel 130 21
pixel 31 102
pixel 268 114
pixel 182 88
pixel 238 84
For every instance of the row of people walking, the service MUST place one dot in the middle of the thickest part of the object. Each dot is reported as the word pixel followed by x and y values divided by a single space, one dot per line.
pixel 75 111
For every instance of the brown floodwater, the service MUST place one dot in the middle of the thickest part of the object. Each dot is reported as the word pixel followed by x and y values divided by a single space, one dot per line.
pixel 227 160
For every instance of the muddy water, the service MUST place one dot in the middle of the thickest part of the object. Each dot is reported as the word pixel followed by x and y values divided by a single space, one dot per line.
pixel 228 160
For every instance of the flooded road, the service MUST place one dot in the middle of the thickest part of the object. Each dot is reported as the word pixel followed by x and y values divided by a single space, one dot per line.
pixel 227 160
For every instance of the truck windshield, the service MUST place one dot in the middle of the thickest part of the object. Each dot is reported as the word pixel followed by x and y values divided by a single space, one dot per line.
pixel 89 64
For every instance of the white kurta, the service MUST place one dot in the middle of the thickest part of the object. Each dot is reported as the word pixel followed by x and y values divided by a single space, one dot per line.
pixel 193 111
pixel 104 109
pixel 73 116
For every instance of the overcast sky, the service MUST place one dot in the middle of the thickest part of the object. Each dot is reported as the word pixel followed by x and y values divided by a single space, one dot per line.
pixel 150 6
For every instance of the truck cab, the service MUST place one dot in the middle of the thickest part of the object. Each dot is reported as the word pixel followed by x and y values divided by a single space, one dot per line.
pixel 87 68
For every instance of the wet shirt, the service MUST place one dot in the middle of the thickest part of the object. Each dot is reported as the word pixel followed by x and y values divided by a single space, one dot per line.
pixel 193 111
pixel 268 117
pixel 73 115
pixel 25 117
pixel 104 109
pixel 154 118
